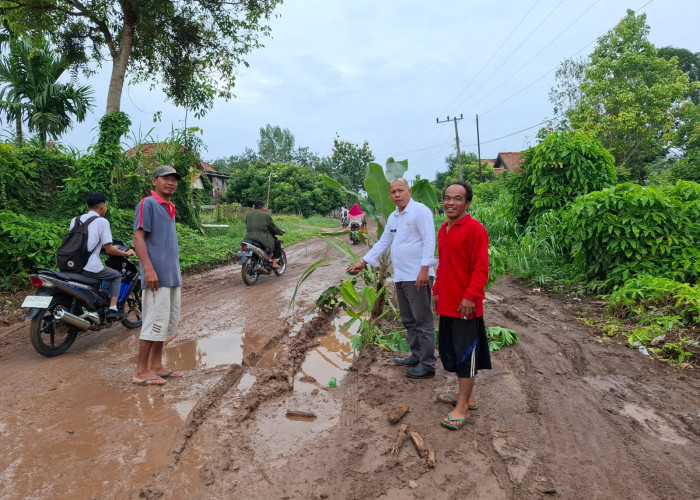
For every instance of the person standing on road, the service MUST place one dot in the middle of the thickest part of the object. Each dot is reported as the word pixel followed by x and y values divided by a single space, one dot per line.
pixel 155 242
pixel 410 233
pixel 458 295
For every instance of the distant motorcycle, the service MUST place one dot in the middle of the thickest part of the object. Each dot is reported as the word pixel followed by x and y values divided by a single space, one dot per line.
pixel 68 303
pixel 254 261
pixel 357 231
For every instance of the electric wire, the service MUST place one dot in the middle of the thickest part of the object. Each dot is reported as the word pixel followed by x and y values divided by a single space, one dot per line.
pixel 490 58
pixel 512 74
pixel 511 54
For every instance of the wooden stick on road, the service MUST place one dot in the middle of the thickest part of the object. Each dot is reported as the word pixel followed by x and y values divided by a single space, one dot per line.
pixel 399 439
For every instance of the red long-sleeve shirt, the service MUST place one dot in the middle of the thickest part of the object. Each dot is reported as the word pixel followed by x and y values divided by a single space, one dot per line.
pixel 463 268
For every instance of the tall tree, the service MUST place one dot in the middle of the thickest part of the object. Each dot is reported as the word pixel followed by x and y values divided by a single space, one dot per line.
pixel 191 49
pixel 630 97
pixel 276 145
pixel 470 171
pixel 349 163
pixel 32 93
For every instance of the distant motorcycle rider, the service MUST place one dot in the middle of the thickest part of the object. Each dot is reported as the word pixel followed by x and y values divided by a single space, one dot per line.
pixel 262 229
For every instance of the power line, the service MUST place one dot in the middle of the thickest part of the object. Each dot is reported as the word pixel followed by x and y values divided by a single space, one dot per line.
pixel 491 58
pixel 515 133
pixel 549 71
pixel 513 52
pixel 503 82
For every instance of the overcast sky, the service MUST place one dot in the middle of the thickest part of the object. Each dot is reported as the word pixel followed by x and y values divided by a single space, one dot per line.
pixel 383 70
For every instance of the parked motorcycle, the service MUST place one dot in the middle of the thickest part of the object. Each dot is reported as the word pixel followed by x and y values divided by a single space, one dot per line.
pixel 254 261
pixel 67 303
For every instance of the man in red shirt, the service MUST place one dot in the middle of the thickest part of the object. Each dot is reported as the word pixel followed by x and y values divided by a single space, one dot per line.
pixel 458 295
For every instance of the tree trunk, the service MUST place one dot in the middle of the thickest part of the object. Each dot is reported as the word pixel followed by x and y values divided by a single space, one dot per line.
pixel 19 138
pixel 120 59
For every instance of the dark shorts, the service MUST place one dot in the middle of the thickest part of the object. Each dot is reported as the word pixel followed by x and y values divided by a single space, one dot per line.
pixel 463 346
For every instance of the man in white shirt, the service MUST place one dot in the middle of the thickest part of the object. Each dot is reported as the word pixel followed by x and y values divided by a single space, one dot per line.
pixel 100 235
pixel 410 233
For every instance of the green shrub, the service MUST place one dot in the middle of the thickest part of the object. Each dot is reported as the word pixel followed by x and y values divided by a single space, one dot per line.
pixel 660 297
pixel 26 243
pixel 563 166
pixel 629 230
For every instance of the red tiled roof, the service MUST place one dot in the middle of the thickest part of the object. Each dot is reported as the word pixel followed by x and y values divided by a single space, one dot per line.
pixel 510 161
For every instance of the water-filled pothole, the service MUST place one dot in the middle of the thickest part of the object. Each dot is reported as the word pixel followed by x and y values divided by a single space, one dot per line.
pixel 225 347
pixel 329 360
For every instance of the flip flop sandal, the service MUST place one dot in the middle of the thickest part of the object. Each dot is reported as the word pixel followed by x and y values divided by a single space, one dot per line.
pixel 172 374
pixel 450 399
pixel 148 381
pixel 459 422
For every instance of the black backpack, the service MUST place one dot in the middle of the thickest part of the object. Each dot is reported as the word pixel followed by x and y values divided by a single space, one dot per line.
pixel 73 254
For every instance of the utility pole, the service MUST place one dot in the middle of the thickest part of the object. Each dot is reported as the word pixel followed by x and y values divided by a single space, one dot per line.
pixel 478 149
pixel 459 153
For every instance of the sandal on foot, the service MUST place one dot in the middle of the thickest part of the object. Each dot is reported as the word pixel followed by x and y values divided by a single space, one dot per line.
pixel 149 381
pixel 450 399
pixel 454 423
pixel 447 398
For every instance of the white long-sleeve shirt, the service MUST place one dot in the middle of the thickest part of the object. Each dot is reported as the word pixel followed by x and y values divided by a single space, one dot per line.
pixel 411 236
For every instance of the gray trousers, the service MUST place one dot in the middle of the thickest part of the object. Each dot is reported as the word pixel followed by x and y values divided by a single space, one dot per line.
pixel 108 274
pixel 417 317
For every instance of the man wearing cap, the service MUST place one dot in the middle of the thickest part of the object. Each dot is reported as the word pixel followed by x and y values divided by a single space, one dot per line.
pixel 261 228
pixel 155 242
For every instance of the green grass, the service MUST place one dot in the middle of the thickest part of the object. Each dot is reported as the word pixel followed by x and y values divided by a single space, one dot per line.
pixel 219 245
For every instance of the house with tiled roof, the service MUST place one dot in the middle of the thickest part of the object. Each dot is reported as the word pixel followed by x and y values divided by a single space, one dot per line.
pixel 508 161
pixel 217 179
pixel 149 160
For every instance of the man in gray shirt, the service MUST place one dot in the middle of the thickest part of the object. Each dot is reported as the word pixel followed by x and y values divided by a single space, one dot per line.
pixel 155 242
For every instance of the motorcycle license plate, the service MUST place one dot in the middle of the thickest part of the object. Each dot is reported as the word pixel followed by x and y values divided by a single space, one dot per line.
pixel 42 301
pixel 245 253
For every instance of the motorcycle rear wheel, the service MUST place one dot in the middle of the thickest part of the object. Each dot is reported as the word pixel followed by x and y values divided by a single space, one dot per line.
pixel 249 275
pixel 282 262
pixel 132 307
pixel 48 336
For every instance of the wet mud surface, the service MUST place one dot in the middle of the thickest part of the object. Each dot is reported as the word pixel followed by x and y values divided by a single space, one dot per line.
pixel 563 414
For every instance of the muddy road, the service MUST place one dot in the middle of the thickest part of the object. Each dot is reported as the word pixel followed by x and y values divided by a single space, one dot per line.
pixel 563 414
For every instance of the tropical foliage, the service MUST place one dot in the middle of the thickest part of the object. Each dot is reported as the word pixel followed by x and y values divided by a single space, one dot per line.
pixel 560 168
pixel 191 48
pixel 31 92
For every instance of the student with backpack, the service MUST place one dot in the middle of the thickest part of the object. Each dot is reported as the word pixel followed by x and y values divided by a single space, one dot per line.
pixel 80 250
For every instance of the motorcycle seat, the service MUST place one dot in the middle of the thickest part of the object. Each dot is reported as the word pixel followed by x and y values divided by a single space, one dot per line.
pixel 71 276
pixel 254 243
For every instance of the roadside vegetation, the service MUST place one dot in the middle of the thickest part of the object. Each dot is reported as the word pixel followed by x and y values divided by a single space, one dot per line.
pixel 605 204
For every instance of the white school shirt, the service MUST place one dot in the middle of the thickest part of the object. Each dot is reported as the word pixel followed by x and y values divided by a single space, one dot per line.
pixel 411 236
pixel 99 234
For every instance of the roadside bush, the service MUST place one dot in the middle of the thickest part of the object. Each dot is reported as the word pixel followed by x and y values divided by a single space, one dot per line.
pixel 16 181
pixel 650 295
pixel 560 168
pixel 26 243
pixel 687 168
pixel 629 230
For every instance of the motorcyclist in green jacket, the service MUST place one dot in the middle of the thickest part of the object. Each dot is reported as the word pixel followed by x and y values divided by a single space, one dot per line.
pixel 263 230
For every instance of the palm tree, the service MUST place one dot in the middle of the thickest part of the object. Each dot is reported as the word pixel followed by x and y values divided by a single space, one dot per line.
pixel 32 93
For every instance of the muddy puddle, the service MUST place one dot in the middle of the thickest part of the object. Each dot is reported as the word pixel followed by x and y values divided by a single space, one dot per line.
pixel 211 349
pixel 67 425
pixel 330 359
pixel 297 419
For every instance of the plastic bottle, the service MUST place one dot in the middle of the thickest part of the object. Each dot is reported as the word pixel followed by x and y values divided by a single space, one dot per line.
pixel 643 350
